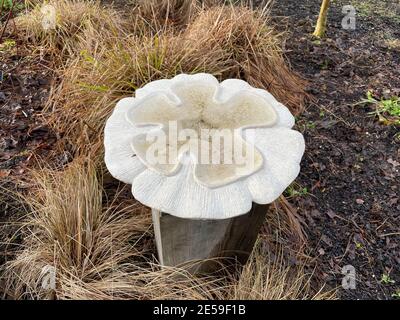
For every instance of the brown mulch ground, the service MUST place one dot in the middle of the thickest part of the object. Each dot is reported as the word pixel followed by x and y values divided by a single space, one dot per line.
pixel 351 166
pixel 25 81
pixel 352 162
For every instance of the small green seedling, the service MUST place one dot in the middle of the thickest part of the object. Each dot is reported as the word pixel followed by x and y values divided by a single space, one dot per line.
pixel 386 279
pixel 387 110
pixel 396 294
pixel 310 125
pixel 8 4
pixel 316 42
pixel 7 45
pixel 295 191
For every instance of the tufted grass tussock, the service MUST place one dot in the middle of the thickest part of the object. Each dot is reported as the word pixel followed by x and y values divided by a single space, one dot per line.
pixel 97 246
pixel 253 47
pixel 55 26
pixel 101 248
pixel 226 41
pixel 175 13
pixel 94 81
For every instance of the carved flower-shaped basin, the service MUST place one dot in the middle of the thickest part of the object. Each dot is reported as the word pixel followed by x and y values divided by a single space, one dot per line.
pixel 199 149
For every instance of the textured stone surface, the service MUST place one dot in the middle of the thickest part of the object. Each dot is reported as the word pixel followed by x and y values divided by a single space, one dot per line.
pixel 187 189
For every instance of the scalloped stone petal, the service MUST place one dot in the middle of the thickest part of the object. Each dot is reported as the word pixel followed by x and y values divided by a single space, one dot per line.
pixel 282 149
pixel 119 158
pixel 183 197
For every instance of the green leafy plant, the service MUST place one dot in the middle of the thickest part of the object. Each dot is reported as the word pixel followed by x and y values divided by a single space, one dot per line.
pixel 7 45
pixel 295 191
pixel 8 4
pixel 396 294
pixel 387 110
pixel 385 279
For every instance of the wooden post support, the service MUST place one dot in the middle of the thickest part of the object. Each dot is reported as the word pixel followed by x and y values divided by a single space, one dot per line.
pixel 180 241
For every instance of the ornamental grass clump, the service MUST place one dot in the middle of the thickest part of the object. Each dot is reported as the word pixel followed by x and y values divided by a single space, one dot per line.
pixel 55 26
pixel 173 13
pixel 101 248
pixel 270 277
pixel 93 248
pixel 109 70
pixel 227 42
pixel 160 13
pixel 254 48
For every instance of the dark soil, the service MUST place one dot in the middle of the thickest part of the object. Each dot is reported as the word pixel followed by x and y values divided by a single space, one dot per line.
pixel 25 81
pixel 351 167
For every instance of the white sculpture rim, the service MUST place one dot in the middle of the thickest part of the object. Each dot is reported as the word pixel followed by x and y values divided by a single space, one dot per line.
pixel 180 192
